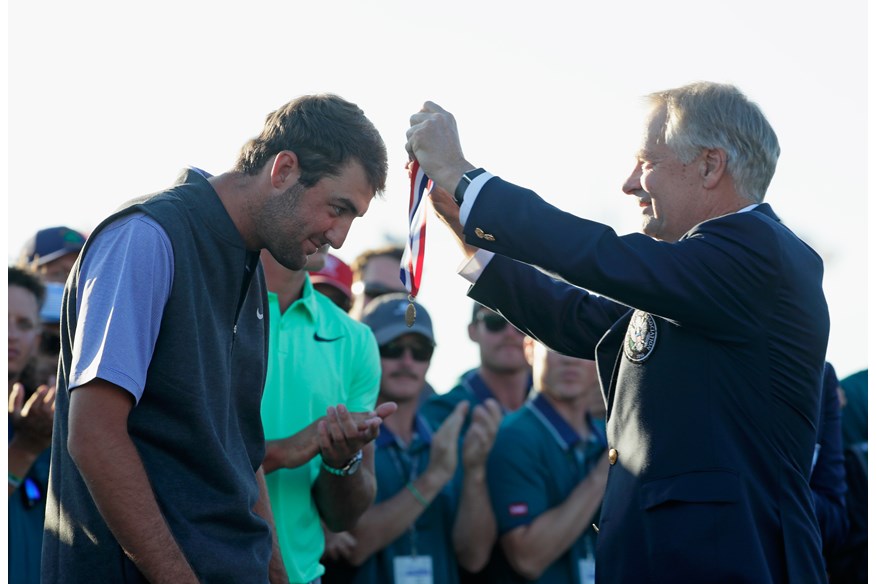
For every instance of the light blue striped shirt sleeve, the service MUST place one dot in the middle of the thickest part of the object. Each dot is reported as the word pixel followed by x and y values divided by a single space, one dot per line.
pixel 124 285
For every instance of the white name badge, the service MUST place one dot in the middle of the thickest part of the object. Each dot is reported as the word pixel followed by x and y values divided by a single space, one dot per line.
pixel 413 569
pixel 587 571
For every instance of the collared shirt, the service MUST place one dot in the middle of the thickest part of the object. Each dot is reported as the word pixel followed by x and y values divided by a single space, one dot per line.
pixel 317 357
pixel 471 388
pixel 396 464
pixel 27 515
pixel 536 462
pixel 197 426
pixel 120 303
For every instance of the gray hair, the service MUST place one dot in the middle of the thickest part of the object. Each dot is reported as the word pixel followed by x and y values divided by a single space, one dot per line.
pixel 712 115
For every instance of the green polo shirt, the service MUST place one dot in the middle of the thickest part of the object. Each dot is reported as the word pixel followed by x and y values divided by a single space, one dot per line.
pixel 317 357
pixel 536 462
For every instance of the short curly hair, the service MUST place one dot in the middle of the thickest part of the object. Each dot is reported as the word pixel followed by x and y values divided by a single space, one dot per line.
pixel 325 132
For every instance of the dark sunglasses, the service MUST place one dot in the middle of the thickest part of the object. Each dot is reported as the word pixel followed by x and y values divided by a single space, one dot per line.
pixel 419 351
pixel 492 321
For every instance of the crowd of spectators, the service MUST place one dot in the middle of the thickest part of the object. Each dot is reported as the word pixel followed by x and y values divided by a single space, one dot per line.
pixel 518 469
pixel 368 474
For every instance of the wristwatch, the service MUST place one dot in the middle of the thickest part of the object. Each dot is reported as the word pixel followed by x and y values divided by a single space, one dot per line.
pixel 466 179
pixel 348 469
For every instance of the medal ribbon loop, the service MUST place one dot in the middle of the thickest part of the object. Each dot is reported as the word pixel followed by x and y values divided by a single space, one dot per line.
pixel 411 272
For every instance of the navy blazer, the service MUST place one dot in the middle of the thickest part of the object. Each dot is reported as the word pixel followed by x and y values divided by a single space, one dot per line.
pixel 710 354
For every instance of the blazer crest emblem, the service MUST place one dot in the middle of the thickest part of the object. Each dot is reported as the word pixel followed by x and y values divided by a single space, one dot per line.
pixel 641 337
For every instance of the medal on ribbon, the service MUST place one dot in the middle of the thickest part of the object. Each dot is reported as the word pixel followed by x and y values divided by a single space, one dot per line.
pixel 411 272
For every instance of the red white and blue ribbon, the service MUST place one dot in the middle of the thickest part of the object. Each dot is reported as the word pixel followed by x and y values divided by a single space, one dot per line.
pixel 415 250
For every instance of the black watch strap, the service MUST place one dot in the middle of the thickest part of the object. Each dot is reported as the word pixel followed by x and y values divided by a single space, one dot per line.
pixel 466 179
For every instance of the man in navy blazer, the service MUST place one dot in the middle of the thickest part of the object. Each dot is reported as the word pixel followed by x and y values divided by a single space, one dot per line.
pixel 709 330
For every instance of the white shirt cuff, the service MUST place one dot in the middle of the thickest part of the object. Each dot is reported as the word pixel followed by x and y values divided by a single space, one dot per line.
pixel 471 193
pixel 472 268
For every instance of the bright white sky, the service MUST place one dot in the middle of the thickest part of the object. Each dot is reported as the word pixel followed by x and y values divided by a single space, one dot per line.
pixel 108 102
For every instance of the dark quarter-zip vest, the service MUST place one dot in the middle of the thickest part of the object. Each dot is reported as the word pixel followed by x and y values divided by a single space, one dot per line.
pixel 197 426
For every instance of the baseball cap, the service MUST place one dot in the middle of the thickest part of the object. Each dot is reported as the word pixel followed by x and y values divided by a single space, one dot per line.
pixel 386 317
pixel 51 243
pixel 334 273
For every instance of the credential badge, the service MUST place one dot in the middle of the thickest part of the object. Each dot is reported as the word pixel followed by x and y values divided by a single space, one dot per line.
pixel 641 337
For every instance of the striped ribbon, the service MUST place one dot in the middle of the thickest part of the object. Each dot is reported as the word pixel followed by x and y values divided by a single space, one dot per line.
pixel 411 272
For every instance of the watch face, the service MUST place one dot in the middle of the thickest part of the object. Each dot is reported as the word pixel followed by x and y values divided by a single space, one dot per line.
pixel 353 465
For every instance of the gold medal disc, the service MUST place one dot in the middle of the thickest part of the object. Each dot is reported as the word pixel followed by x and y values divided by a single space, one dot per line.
pixel 410 315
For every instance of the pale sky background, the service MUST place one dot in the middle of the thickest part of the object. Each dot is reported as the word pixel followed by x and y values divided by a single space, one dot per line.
pixel 109 101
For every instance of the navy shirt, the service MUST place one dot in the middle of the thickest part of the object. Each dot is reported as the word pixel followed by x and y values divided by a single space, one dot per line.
pixel 27 513
pixel 536 462
pixel 395 465
pixel 471 388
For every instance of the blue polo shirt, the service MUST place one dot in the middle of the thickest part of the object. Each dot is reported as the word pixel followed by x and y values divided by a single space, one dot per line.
pixel 27 514
pixel 431 535
pixel 471 388
pixel 536 462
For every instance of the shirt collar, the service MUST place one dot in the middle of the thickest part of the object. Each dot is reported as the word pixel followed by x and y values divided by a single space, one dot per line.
pixel 478 388
pixel 422 433
pixel 566 436
pixel 308 296
pixel 307 302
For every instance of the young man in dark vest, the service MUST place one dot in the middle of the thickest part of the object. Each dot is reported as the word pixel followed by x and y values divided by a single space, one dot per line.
pixel 158 439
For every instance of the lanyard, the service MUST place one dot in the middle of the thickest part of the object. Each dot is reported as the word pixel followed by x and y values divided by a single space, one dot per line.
pixel 397 452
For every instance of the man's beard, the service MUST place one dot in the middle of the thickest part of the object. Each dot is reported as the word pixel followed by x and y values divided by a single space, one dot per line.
pixel 282 224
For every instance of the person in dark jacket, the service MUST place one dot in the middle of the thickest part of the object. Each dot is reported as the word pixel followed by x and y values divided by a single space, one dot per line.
pixel 709 331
